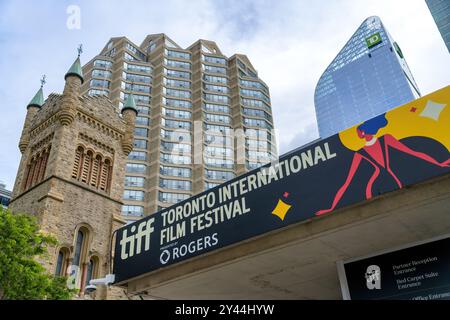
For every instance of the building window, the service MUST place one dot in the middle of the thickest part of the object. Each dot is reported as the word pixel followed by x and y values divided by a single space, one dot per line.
pixel 177 74
pixel 176 124
pixel 175 184
pixel 219 175
pixel 172 197
pixel 140 144
pixel 78 248
pixel 143 121
pixel 136 77
pixel 215 88
pixel 96 92
pixel 139 98
pixel 177 54
pixel 135 211
pixel 35 171
pixel 212 128
pixel 218 151
pixel 143 110
pixel 101 73
pixel 176 113
pixel 215 79
pixel 209 68
pixel 177 103
pixel 177 64
pixel 216 98
pixel 100 83
pixel 138 68
pixel 103 64
pixel 140 132
pixel 178 135
pixel 138 155
pixel 175 159
pixel 61 262
pixel 177 93
pixel 175 147
pixel 255 94
pixel 134 181
pixel 135 195
pixel 175 171
pixel 135 167
pixel 214 60
pixel 91 270
pixel 177 83
pixel 92 170
pixel 216 108
pixel 217 118
pixel 79 261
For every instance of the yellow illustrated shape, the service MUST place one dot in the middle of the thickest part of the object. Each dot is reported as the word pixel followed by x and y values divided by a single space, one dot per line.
pixel 281 209
pixel 428 116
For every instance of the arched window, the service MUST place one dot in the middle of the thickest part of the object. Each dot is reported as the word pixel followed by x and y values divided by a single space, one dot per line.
pixel 95 170
pixel 29 175
pixel 91 270
pixel 43 166
pixel 104 177
pixel 78 247
pixel 35 171
pixel 92 170
pixel 61 262
pixel 86 169
pixel 78 160
pixel 37 165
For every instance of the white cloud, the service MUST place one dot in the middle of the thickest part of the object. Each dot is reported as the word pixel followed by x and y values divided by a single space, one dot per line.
pixel 289 42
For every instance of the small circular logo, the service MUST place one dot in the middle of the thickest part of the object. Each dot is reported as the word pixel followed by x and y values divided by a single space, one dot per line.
pixel 164 257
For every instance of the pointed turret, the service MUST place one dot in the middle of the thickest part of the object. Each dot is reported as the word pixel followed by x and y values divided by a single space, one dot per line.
pixel 130 104
pixel 38 99
pixel 75 70
pixel 32 108
pixel 72 92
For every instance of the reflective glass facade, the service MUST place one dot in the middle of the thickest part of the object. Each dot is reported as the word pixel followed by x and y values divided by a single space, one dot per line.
pixel 440 10
pixel 368 77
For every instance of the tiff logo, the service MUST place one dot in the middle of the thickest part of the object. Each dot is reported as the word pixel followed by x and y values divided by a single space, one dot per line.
pixel 134 241
pixel 373 277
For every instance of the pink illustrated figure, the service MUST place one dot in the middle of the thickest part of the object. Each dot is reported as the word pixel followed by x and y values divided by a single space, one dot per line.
pixel 376 152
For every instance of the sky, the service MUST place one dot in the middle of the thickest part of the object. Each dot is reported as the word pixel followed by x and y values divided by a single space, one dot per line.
pixel 290 43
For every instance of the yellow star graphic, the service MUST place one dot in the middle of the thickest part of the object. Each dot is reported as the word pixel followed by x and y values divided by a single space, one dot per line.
pixel 281 209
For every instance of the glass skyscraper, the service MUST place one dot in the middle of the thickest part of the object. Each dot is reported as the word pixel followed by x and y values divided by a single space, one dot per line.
pixel 440 10
pixel 368 77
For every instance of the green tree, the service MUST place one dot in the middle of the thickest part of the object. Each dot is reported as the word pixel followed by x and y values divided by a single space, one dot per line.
pixel 21 276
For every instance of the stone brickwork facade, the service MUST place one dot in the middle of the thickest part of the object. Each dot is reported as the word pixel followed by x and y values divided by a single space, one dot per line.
pixel 71 176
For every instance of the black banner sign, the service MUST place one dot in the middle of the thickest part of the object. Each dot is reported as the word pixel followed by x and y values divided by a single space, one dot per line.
pixel 381 155
pixel 420 272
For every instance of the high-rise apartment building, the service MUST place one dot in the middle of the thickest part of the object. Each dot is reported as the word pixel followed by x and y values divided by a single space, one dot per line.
pixel 440 10
pixel 203 118
pixel 368 77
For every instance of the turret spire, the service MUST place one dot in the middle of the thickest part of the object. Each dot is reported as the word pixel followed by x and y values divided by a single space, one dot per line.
pixel 38 99
pixel 75 69
pixel 130 103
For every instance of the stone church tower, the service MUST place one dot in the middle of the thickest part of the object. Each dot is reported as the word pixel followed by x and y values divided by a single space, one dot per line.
pixel 71 176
